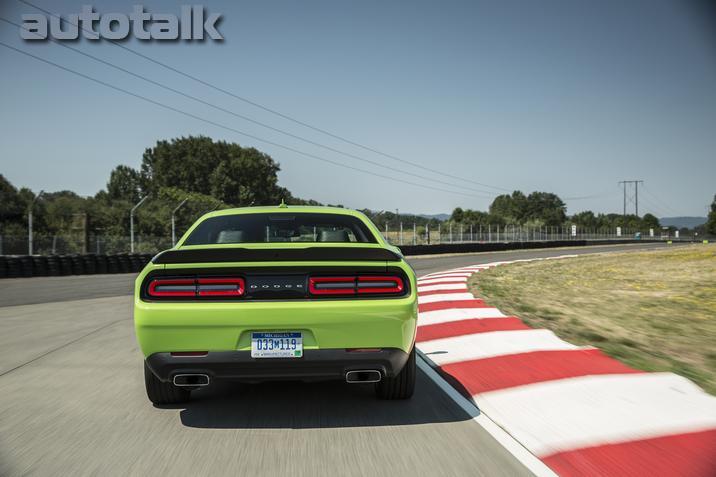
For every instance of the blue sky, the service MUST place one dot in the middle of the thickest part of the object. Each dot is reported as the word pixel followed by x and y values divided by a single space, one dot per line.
pixel 563 96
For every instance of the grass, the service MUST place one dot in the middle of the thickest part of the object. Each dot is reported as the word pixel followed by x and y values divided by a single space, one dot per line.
pixel 653 310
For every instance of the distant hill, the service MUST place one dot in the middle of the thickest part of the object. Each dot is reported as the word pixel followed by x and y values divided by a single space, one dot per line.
pixel 682 222
pixel 443 217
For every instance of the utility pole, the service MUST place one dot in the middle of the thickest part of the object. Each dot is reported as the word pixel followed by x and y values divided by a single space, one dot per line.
pixel 131 223
pixel 636 195
pixel 174 237
pixel 29 222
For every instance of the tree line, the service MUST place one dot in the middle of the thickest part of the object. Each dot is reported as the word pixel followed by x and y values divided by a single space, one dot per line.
pixel 217 174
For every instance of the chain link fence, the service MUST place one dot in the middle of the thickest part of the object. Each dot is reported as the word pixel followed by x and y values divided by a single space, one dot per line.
pixel 412 234
pixel 399 234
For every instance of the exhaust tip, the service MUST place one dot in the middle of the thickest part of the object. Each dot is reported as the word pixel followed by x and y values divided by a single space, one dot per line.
pixel 363 376
pixel 191 380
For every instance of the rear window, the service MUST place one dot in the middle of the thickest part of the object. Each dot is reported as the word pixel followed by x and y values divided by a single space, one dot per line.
pixel 262 228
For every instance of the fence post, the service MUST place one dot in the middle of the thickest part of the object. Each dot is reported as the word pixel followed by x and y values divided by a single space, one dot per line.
pixel 471 240
pixel 415 231
pixel 401 233
pixel 427 232
pixel 386 233
pixel 451 232
pixel 440 237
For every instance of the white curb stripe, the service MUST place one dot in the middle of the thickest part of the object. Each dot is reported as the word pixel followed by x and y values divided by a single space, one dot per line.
pixel 568 414
pixel 432 281
pixel 456 314
pixel 532 463
pixel 449 274
pixel 491 344
pixel 445 297
pixel 442 286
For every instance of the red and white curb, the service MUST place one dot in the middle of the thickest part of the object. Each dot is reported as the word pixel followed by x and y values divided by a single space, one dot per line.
pixel 577 410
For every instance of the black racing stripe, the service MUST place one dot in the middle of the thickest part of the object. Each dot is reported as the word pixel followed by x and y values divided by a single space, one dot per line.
pixel 321 254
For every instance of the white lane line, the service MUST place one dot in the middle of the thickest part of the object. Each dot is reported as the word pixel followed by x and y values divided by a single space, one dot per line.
pixel 487 345
pixel 517 450
pixel 442 286
pixel 432 281
pixel 457 314
pixel 445 297
pixel 573 413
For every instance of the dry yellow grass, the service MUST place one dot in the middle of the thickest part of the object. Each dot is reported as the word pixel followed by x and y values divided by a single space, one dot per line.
pixel 653 310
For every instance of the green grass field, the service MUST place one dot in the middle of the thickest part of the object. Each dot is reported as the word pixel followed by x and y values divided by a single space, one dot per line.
pixel 654 310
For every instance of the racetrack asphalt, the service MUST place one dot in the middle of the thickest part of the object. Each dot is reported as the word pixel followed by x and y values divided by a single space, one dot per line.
pixel 74 403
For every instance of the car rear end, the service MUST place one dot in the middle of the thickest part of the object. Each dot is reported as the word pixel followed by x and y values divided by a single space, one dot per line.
pixel 255 311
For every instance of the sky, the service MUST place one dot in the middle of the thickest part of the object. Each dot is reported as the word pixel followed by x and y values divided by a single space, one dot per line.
pixel 565 96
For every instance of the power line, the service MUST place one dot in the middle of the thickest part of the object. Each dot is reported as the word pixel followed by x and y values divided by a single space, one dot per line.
pixel 229 128
pixel 219 108
pixel 663 203
pixel 269 110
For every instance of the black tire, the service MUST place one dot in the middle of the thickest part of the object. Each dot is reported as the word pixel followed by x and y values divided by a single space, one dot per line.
pixel 402 385
pixel 163 393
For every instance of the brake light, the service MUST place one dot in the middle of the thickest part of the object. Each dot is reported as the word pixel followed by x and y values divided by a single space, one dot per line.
pixel 356 285
pixel 220 286
pixel 190 287
pixel 393 285
pixel 171 287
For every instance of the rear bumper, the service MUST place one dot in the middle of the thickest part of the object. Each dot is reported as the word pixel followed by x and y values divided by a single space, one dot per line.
pixel 316 364
pixel 325 324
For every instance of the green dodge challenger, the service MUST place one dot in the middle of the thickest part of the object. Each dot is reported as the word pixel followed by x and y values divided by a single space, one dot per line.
pixel 270 293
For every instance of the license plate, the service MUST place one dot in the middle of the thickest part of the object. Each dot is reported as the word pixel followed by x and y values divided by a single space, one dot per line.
pixel 277 345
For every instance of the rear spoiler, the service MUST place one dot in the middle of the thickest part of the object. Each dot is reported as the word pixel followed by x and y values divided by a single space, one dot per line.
pixel 309 254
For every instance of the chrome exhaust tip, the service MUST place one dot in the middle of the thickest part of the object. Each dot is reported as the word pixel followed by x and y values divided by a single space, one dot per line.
pixel 191 380
pixel 363 376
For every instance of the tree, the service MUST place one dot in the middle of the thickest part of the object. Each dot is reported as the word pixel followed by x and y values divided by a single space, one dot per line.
pixel 124 184
pixel 711 222
pixel 650 221
pixel 230 173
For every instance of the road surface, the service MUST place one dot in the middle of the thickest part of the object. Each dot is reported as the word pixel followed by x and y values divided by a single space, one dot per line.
pixel 73 402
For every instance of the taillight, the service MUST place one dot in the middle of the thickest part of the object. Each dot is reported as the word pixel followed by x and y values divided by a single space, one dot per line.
pixel 171 287
pixel 392 285
pixel 220 286
pixel 357 285
pixel 191 287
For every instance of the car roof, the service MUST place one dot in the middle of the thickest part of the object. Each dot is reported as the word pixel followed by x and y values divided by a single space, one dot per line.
pixel 286 209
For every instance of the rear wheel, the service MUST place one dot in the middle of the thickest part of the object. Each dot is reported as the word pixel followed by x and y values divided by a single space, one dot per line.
pixel 402 385
pixel 163 393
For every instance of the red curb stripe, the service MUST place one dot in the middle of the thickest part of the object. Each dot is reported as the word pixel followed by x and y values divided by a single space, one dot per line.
pixel 468 327
pixel 448 304
pixel 692 454
pixel 442 292
pixel 490 374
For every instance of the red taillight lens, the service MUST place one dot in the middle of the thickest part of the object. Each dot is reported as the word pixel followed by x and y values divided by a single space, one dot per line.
pixel 221 286
pixel 362 285
pixel 332 285
pixel 370 284
pixel 170 287
pixel 191 287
